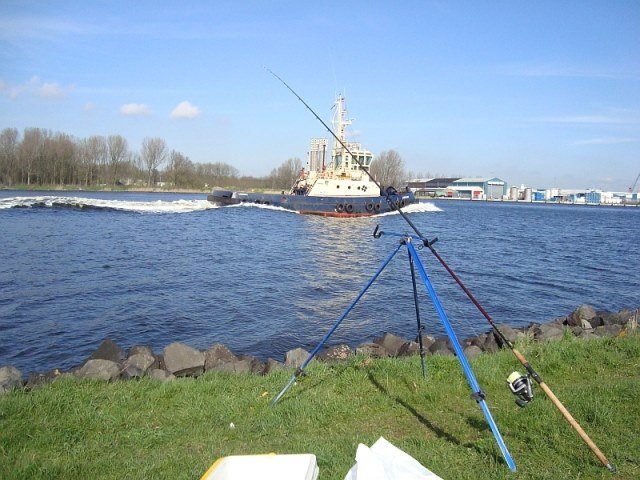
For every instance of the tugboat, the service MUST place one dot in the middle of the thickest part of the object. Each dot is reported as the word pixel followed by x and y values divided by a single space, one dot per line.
pixel 344 188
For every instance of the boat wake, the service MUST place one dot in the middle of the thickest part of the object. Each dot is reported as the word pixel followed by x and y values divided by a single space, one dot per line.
pixel 422 207
pixel 79 203
pixel 262 206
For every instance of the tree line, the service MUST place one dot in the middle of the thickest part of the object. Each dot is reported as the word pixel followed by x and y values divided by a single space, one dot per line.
pixel 40 157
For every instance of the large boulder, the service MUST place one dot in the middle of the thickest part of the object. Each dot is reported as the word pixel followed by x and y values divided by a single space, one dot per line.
pixel 372 350
pixel 255 365
pixel 510 334
pixel 239 365
pixel 490 344
pixel 548 331
pixel 10 379
pixel 183 360
pixel 608 330
pixel 391 343
pixel 37 379
pixel 336 353
pixel 272 366
pixel 479 340
pixel 442 346
pixel 472 351
pixel 109 350
pixel 137 365
pixel 99 369
pixel 582 314
pixel 217 356
pixel 136 349
pixel 408 349
pixel 620 318
pixel 296 357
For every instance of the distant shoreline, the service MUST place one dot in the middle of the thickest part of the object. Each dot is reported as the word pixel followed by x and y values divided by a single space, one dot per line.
pixel 531 202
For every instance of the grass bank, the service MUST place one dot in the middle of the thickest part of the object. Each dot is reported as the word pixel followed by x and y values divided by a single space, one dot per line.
pixel 146 429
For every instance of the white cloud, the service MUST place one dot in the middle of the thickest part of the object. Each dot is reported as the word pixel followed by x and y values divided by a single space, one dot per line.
pixel 36 87
pixel 135 109
pixel 51 90
pixel 185 110
pixel 89 107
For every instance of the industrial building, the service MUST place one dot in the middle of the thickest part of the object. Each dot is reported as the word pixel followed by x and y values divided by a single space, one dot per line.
pixel 479 188
pixel 476 188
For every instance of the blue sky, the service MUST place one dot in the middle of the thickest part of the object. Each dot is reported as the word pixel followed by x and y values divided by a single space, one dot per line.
pixel 538 93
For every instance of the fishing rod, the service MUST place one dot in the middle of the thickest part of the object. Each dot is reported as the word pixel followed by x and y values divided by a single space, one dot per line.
pixel 429 244
pixel 530 370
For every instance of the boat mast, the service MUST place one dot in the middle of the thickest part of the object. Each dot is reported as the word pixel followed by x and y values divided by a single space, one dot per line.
pixel 339 157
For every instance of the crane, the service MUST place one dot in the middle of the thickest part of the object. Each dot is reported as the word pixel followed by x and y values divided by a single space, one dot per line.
pixel 633 187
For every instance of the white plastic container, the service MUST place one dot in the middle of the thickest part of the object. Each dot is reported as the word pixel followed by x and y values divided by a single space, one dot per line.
pixel 264 467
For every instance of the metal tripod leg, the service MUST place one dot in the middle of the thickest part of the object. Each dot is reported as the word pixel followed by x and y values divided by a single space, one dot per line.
pixel 477 394
pixel 300 370
pixel 415 301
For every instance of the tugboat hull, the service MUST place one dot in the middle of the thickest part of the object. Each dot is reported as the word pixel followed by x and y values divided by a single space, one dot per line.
pixel 324 206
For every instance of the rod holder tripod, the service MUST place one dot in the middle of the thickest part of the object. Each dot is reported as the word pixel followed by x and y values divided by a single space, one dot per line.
pixel 416 264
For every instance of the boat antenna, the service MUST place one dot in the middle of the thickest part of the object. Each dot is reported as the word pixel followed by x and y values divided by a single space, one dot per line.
pixel 429 244
pixel 388 195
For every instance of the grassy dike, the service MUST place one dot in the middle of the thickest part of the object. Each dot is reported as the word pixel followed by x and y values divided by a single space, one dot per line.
pixel 147 429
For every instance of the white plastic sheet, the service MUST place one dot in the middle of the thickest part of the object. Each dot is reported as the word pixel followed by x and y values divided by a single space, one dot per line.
pixel 384 461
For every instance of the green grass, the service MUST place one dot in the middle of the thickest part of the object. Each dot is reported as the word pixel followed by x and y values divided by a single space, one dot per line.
pixel 146 429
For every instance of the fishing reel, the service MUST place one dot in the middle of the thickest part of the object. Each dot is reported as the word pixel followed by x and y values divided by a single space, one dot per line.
pixel 521 386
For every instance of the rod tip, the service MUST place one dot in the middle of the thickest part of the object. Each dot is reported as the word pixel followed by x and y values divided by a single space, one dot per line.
pixel 611 468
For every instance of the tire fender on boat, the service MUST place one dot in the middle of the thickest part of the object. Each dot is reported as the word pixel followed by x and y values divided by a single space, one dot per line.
pixel 349 208
pixel 339 208
pixel 369 207
pixel 376 207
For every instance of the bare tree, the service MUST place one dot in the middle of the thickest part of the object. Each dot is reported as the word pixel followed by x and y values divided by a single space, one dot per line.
pixel 8 155
pixel 154 153
pixel 117 148
pixel 60 156
pixel 388 169
pixel 216 173
pixel 91 159
pixel 30 152
pixel 285 175
pixel 180 169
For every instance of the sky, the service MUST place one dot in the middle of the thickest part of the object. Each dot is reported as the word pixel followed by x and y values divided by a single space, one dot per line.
pixel 544 94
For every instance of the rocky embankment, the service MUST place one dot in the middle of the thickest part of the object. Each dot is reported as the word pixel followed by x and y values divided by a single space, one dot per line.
pixel 110 362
